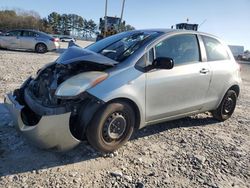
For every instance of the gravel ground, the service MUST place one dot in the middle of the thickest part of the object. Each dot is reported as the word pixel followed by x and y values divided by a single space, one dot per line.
pixel 191 152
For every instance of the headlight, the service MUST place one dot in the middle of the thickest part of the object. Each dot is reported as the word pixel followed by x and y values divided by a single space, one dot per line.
pixel 80 83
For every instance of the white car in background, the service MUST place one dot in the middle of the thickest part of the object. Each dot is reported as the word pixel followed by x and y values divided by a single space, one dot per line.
pixel 26 39
pixel 246 56
pixel 67 39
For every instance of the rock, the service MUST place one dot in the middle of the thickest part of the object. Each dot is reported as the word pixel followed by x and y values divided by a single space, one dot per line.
pixel 75 180
pixel 128 178
pixel 182 168
pixel 111 155
pixel 139 185
pixel 151 174
pixel 183 141
pixel 140 160
pixel 73 174
pixel 116 174
pixel 201 159
pixel 24 185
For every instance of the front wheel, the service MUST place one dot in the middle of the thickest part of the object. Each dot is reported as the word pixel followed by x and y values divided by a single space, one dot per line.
pixel 111 127
pixel 227 106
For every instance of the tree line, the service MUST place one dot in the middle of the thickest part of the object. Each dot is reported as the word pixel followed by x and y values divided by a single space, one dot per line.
pixel 54 23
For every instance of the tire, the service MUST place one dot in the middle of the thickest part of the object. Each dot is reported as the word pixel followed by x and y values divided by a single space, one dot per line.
pixel 227 106
pixel 111 127
pixel 41 48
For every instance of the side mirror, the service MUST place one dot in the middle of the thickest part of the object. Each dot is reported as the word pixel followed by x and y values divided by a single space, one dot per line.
pixel 163 63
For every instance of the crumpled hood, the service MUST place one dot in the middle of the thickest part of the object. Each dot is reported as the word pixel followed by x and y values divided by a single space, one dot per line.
pixel 75 53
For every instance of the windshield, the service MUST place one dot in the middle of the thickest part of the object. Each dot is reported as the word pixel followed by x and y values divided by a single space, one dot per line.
pixel 121 46
pixel 113 20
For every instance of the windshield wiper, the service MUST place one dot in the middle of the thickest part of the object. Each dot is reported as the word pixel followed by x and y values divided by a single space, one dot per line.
pixel 138 43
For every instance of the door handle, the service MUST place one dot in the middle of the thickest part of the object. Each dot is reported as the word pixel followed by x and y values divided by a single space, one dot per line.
pixel 204 71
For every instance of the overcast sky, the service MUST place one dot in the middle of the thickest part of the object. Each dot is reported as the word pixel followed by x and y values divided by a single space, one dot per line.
pixel 228 19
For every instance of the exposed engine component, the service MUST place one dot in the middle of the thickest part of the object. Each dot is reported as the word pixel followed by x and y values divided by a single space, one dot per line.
pixel 44 86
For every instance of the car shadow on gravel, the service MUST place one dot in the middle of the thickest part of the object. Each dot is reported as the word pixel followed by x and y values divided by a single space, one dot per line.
pixel 17 155
pixel 191 121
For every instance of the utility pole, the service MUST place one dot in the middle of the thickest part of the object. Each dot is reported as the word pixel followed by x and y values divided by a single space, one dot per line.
pixel 123 3
pixel 106 19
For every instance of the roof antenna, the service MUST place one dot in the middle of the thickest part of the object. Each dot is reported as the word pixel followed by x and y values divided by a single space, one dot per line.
pixel 202 23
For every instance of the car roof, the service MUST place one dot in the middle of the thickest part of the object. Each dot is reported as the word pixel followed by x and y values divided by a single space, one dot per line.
pixel 176 31
pixel 33 30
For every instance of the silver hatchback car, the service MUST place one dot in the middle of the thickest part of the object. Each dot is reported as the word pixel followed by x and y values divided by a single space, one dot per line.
pixel 26 39
pixel 105 92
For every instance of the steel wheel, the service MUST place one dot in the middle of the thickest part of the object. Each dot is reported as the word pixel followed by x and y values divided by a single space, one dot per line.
pixel 114 127
pixel 111 126
pixel 226 107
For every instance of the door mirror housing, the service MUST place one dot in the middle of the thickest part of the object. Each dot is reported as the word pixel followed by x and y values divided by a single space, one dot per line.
pixel 163 63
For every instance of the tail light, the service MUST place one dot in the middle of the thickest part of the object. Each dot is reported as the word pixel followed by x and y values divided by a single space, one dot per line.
pixel 54 39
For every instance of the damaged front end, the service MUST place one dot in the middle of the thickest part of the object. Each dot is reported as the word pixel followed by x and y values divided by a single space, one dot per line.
pixel 53 109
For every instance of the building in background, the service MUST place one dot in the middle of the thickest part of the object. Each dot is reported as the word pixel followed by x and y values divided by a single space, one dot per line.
pixel 237 50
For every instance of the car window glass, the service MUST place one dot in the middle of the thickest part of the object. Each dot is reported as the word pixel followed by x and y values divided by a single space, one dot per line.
pixel 181 48
pixel 13 33
pixel 125 47
pixel 29 34
pixel 141 63
pixel 151 55
pixel 146 59
pixel 214 49
pixel 121 46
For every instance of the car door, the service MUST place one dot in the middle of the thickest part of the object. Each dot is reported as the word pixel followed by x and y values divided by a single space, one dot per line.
pixel 12 39
pixel 223 68
pixel 28 40
pixel 179 90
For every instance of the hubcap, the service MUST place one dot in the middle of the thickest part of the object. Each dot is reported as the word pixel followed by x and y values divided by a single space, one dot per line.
pixel 41 48
pixel 228 105
pixel 114 127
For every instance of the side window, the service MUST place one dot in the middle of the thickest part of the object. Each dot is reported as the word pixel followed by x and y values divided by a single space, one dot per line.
pixel 151 55
pixel 28 34
pixel 214 49
pixel 181 48
pixel 145 60
pixel 13 33
pixel 141 63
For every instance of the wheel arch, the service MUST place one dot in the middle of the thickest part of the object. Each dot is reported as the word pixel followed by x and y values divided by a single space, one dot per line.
pixel 236 88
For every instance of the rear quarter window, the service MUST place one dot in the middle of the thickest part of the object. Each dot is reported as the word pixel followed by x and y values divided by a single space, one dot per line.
pixel 214 49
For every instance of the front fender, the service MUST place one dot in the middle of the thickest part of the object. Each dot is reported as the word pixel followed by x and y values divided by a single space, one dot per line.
pixel 129 84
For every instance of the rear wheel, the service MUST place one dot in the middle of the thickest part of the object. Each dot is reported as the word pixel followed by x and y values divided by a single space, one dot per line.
pixel 227 106
pixel 41 48
pixel 111 127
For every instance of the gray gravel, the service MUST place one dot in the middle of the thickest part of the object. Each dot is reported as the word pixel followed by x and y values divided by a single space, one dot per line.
pixel 192 152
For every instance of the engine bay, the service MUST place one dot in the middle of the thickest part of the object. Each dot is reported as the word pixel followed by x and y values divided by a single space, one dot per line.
pixel 44 85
